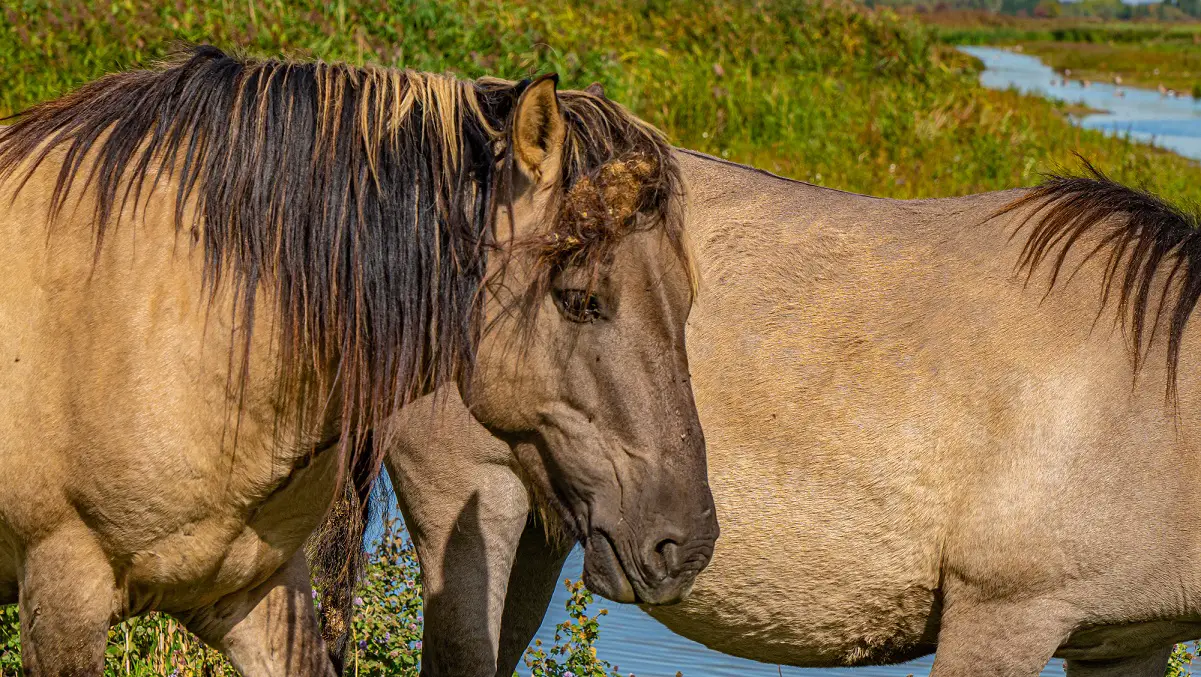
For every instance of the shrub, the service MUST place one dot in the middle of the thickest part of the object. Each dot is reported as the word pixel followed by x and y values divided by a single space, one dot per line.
pixel 574 652
pixel 1182 658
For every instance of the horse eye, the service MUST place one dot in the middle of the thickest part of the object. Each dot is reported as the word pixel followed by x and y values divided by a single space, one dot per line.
pixel 578 305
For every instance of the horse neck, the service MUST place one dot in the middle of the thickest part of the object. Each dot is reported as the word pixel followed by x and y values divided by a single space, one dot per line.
pixel 735 213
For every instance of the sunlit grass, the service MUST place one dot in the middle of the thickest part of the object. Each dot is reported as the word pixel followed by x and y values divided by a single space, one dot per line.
pixel 824 92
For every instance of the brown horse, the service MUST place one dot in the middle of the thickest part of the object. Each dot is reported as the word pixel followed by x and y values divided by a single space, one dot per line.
pixel 970 424
pixel 250 264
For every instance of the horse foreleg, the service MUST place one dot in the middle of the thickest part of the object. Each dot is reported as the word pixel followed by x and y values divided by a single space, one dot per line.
pixel 466 534
pixel 67 598
pixel 999 639
pixel 269 630
pixel 1153 664
pixel 532 582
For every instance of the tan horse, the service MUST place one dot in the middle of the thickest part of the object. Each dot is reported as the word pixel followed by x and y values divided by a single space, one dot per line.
pixel 942 424
pixel 373 227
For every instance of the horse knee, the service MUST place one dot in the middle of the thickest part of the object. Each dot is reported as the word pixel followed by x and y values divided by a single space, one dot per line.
pixel 67 601
pixel 269 630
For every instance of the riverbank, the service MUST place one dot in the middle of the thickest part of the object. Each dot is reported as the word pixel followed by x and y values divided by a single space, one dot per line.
pixel 1142 114
pixel 1174 69
pixel 1142 54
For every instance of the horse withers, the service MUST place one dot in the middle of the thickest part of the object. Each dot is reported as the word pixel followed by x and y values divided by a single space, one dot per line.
pixel 223 274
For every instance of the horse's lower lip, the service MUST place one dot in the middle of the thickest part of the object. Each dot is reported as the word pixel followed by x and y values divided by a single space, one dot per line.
pixel 603 572
pixel 671 590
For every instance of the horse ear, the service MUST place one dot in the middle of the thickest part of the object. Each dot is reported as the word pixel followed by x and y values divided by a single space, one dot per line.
pixel 538 127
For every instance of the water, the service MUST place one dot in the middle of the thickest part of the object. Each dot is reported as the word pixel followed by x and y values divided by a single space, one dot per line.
pixel 637 643
pixel 1143 114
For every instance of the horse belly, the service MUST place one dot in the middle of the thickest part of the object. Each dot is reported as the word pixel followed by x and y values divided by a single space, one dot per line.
pixel 805 578
pixel 1131 639
pixel 805 623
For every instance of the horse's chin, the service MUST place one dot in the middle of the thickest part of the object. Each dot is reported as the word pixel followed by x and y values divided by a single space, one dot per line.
pixel 603 573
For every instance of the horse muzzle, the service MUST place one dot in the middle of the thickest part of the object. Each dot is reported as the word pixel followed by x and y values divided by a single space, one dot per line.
pixel 662 573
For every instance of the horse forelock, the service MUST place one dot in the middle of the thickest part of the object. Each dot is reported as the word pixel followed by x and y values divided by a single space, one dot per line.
pixel 618 176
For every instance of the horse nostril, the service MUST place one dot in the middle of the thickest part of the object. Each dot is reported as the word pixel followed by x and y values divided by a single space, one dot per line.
pixel 669 553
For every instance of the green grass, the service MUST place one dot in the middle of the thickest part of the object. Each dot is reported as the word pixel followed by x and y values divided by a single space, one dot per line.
pixel 823 92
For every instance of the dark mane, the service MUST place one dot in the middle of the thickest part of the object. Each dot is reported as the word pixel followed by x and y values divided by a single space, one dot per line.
pixel 1153 252
pixel 359 197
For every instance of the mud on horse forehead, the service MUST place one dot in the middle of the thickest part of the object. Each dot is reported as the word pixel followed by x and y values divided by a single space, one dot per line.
pixel 619 198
